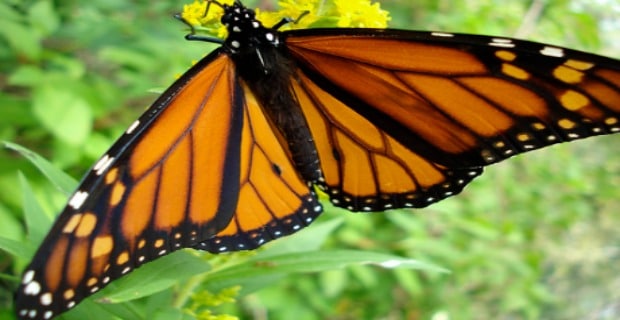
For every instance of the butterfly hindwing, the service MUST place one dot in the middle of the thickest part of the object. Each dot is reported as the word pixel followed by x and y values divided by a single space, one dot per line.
pixel 366 169
pixel 274 200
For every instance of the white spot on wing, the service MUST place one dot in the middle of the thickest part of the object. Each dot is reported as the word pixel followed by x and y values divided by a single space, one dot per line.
pixel 552 52
pixel 33 288
pixel 133 127
pixel 78 199
pixel 103 164
pixel 442 34
pixel 501 40
pixel 28 276
pixel 46 299
pixel 502 43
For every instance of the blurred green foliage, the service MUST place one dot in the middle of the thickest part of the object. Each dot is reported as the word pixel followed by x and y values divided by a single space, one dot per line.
pixel 536 237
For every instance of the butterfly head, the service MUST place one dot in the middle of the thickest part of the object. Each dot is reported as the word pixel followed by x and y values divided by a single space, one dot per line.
pixel 244 30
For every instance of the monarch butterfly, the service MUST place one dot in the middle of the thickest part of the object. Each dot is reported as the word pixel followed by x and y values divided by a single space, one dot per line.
pixel 228 157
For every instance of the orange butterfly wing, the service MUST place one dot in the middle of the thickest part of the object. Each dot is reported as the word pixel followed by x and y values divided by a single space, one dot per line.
pixel 274 200
pixel 201 168
pixel 404 119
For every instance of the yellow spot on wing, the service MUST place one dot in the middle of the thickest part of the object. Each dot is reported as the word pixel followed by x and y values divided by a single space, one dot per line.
pixel 87 225
pixel 111 176
pixel 122 258
pixel 580 65
pixel 514 71
pixel 568 75
pixel 102 245
pixel 566 124
pixel 159 243
pixel 505 55
pixel 68 294
pixel 91 282
pixel 72 224
pixel 118 190
pixel 523 137
pixel 573 100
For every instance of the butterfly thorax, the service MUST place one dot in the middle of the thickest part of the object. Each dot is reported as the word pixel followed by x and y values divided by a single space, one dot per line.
pixel 264 67
pixel 245 32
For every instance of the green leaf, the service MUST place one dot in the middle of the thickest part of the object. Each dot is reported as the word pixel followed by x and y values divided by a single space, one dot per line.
pixel 37 222
pixel 61 180
pixel 43 17
pixel 26 75
pixel 16 248
pixel 21 38
pixel 88 309
pixel 306 262
pixel 9 12
pixel 308 239
pixel 11 226
pixel 63 113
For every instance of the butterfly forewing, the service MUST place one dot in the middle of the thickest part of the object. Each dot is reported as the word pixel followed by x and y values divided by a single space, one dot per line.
pixel 463 100
pixel 175 183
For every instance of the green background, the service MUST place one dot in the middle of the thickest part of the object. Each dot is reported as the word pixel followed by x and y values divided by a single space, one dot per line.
pixel 536 237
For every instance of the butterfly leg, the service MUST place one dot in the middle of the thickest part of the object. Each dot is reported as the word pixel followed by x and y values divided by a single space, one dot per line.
pixel 289 20
pixel 192 36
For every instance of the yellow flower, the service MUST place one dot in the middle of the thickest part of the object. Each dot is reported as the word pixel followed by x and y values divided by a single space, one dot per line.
pixel 360 14
pixel 293 9
pixel 197 15
pixel 192 13
pixel 313 13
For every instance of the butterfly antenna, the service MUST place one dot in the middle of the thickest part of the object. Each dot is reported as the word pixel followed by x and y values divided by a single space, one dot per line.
pixel 289 20
pixel 209 5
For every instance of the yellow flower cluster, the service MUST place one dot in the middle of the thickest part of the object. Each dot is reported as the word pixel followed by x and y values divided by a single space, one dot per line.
pixel 360 14
pixel 203 20
pixel 313 13
pixel 294 9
